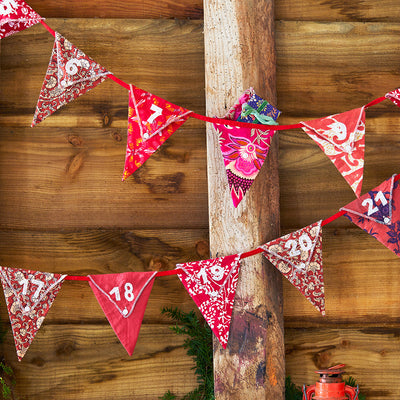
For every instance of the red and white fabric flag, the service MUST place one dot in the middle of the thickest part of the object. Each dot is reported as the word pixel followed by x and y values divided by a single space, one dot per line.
pixel 378 213
pixel 70 74
pixel 212 286
pixel 151 121
pixel 15 16
pixel 29 296
pixel 342 138
pixel 298 256
pixel 123 298
pixel 244 151
pixel 394 96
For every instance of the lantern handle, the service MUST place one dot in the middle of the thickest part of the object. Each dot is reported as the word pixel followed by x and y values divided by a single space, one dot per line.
pixel 308 391
pixel 352 392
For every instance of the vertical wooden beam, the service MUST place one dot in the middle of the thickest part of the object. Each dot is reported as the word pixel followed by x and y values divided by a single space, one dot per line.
pixel 240 52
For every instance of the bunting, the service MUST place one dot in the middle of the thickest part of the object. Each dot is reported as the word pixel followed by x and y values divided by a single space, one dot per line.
pixel 70 74
pixel 123 298
pixel 151 121
pixel 378 213
pixel 29 296
pixel 212 286
pixel 394 96
pixel 244 152
pixel 298 256
pixel 342 138
pixel 15 16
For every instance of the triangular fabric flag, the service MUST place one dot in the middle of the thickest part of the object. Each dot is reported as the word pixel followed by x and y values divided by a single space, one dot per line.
pixel 151 121
pixel 70 74
pixel 342 138
pixel 394 96
pixel 378 213
pixel 212 286
pixel 29 296
pixel 244 151
pixel 298 256
pixel 15 16
pixel 123 298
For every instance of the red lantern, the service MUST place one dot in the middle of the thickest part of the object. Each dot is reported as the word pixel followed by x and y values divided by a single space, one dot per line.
pixel 330 386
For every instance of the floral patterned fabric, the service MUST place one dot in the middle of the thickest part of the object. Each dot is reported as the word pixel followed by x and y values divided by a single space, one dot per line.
pixel 244 152
pixel 151 121
pixel 378 213
pixel 298 256
pixel 70 74
pixel 258 111
pixel 29 296
pixel 212 286
pixel 15 16
pixel 123 298
pixel 394 96
pixel 342 138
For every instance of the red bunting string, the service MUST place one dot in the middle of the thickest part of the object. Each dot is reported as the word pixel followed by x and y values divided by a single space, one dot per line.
pixel 223 120
pixel 250 253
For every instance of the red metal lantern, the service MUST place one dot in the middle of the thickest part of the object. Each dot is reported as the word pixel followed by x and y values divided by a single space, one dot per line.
pixel 330 386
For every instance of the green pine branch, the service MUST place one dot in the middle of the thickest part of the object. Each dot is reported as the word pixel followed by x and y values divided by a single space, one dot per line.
pixel 199 346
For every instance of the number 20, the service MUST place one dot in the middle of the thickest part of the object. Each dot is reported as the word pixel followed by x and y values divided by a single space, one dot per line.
pixel 304 243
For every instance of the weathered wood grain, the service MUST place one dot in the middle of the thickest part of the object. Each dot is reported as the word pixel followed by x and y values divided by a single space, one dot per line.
pixel 338 10
pixel 88 362
pixel 325 68
pixel 236 35
pixel 101 252
pixel 53 178
pixel 371 356
pixel 150 9
pixel 361 284
pixel 161 56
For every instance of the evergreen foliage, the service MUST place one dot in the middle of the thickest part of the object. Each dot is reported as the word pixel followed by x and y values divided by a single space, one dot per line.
pixel 199 346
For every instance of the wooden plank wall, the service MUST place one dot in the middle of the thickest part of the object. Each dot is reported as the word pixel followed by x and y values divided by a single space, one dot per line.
pixel 334 56
pixel 64 209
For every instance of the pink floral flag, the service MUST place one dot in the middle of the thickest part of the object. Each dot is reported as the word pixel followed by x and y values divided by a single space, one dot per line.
pixel 123 298
pixel 298 256
pixel 70 74
pixel 394 96
pixel 244 151
pixel 151 121
pixel 29 296
pixel 378 213
pixel 342 138
pixel 15 16
pixel 212 286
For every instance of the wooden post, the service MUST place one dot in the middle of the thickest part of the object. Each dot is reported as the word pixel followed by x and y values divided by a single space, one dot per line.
pixel 239 53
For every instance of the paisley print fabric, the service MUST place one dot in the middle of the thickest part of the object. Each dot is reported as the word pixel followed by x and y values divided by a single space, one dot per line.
pixel 342 138
pixel 151 121
pixel 298 256
pixel 394 96
pixel 378 213
pixel 123 298
pixel 70 74
pixel 212 286
pixel 15 16
pixel 29 296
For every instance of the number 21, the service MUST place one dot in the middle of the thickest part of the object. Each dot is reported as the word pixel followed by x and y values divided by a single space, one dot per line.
pixel 368 202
